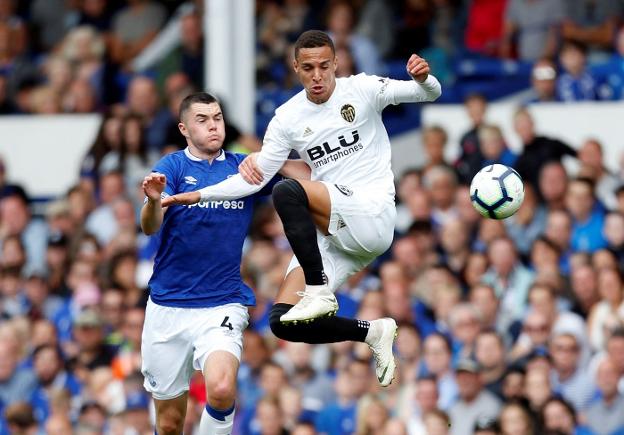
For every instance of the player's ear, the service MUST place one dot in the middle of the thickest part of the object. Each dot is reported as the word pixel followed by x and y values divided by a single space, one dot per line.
pixel 183 129
pixel 295 65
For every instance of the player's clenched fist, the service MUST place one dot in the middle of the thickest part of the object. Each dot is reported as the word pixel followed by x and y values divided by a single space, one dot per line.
pixel 153 185
pixel 249 169
pixel 418 68
pixel 186 198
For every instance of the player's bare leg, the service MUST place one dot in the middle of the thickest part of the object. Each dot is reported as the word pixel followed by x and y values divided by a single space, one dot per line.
pixel 304 206
pixel 220 376
pixel 170 415
pixel 378 334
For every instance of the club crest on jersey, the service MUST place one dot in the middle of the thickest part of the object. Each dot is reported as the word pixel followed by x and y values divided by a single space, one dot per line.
pixel 347 112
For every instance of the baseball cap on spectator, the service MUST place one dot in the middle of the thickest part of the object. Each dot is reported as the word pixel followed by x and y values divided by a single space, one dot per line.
pixel 468 365
pixel 86 295
pixel 137 401
pixel 88 318
pixel 14 190
pixel 58 239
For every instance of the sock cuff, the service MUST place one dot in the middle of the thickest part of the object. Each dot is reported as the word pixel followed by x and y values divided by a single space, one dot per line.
pixel 219 414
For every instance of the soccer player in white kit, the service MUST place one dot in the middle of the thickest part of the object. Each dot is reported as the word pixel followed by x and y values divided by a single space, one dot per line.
pixel 343 218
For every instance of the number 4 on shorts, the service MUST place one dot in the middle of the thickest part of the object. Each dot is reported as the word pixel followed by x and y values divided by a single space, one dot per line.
pixel 227 324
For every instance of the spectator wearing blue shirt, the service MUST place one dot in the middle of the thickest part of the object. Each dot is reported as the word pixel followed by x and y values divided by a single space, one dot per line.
pixel 575 83
pixel 587 216
pixel 493 147
pixel 610 74
pixel 605 412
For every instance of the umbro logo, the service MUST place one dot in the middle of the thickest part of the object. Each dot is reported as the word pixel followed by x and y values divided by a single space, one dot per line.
pixel 307 132
pixel 190 180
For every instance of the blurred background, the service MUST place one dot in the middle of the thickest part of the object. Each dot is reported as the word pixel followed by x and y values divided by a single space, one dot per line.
pixel 513 327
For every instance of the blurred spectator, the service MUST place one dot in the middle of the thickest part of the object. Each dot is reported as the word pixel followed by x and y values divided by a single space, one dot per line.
pixel 188 57
pixel 609 311
pixel 490 355
pixel 535 26
pixel 426 397
pixel 528 223
pixel 584 284
pixel 143 100
pixel 469 160
pixel 108 140
pixel 516 419
pixel 568 376
pixel 484 29
pixel 465 324
pixel 437 422
pixel 508 276
pixel 553 184
pixel 537 150
pixel 136 414
pixel 592 166
pixel 483 297
pixel 614 233
pixel 441 184
pixel 58 425
pixel 575 83
pixel 455 244
pixel 587 215
pixel 372 415
pixel 17 25
pixel 101 221
pixel 609 73
pixel 376 23
pixel 20 419
pixel 537 388
pixel 98 14
pixel 474 402
pixel 493 147
pixel 604 415
pixel 543 82
pixel 17 220
pixel 16 383
pixel 134 27
pixel 592 22
pixel 437 358
pixel 14 64
pixel 434 140
pixel 91 351
pixel 560 417
pixel 340 23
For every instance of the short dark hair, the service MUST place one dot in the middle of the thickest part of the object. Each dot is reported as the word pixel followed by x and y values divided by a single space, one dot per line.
pixel 313 39
pixel 196 97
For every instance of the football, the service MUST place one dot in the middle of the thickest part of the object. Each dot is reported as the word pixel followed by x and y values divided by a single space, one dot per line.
pixel 497 191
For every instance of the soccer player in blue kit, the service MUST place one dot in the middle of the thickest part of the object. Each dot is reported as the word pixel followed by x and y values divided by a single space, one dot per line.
pixel 343 217
pixel 197 309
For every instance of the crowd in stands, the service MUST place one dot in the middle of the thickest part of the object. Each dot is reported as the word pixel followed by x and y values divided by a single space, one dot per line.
pixel 513 326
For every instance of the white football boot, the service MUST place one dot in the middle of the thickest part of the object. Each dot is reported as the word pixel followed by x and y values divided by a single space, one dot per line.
pixel 380 339
pixel 316 301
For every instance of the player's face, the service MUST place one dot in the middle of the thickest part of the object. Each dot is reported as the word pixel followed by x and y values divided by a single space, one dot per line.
pixel 316 69
pixel 204 128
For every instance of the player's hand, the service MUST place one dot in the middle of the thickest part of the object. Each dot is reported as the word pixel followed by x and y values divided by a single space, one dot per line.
pixel 186 198
pixel 154 185
pixel 249 169
pixel 418 68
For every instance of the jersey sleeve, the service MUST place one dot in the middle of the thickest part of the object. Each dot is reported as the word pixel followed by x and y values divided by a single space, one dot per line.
pixel 382 91
pixel 274 153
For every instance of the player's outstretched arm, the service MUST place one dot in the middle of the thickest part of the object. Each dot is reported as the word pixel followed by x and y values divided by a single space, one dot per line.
pixel 251 172
pixel 186 198
pixel 153 210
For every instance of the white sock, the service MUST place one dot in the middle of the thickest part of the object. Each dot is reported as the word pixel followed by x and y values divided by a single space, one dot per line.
pixel 216 421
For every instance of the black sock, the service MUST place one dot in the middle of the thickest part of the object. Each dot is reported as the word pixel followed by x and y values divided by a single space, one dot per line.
pixel 323 330
pixel 291 202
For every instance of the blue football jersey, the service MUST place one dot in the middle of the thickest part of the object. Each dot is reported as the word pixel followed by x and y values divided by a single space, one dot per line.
pixel 197 263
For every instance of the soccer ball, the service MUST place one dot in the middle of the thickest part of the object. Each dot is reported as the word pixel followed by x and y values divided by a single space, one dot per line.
pixel 496 191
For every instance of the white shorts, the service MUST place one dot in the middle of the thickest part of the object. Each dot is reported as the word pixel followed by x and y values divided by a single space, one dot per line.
pixel 177 341
pixel 361 227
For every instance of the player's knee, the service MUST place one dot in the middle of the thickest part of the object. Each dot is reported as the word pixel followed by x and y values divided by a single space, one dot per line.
pixel 289 192
pixel 170 422
pixel 280 330
pixel 221 391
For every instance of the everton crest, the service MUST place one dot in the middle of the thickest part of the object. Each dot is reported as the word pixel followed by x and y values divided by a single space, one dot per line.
pixel 347 112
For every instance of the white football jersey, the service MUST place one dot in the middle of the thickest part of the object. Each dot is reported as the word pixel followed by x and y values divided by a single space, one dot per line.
pixel 343 140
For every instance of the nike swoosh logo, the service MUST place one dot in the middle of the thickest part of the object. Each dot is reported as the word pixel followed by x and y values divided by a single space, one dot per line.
pixel 380 378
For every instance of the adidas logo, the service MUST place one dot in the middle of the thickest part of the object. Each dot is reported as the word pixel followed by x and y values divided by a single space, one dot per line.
pixel 307 132
pixel 341 223
pixel 190 180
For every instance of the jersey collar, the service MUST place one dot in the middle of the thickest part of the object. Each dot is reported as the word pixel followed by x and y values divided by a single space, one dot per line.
pixel 190 156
